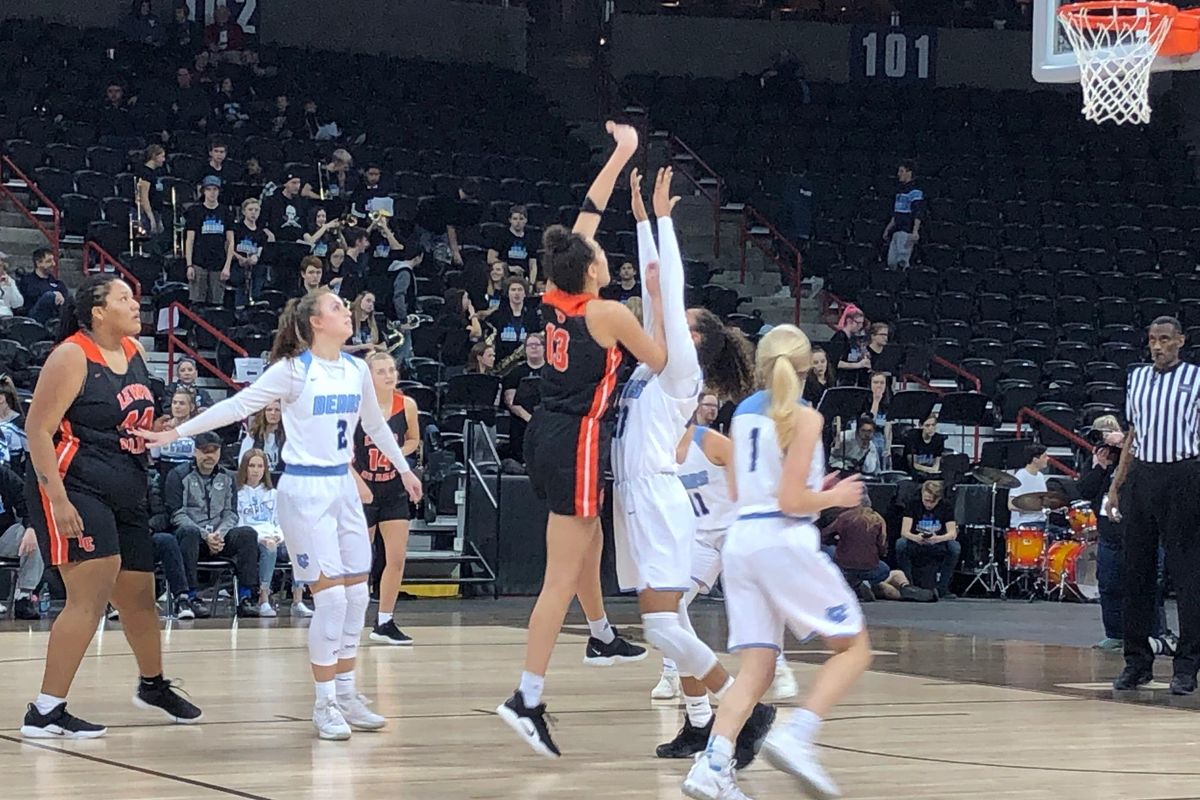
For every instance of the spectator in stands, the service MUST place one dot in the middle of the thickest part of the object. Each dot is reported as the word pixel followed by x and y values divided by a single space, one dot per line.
pixel 201 499
pixel 227 108
pixel 928 533
pixel 385 247
pixel 796 215
pixel 491 293
pixel 17 540
pixel 858 540
pixel 708 408
pixel 284 212
pixel 151 196
pixel 847 349
pixel 114 124
pixel 208 246
pixel 216 165
pixel 10 294
pixel 923 450
pixel 881 398
pixel 334 275
pixel 404 288
pixel 167 554
pixel 185 378
pixel 512 247
pixel 184 36
pixel 224 38
pixel 188 102
pixel 481 359
pixel 877 339
pixel 142 26
pixel 366 332
pixel 249 239
pixel 311 272
pixel 358 241
pixel 1032 480
pixel 625 286
pixel 819 378
pixel 908 212
pixel 521 397
pixel 256 510
pixel 265 432
pixel 338 180
pixel 515 319
pixel 13 443
pixel 372 186
pixel 44 293
pixel 855 449
pixel 285 119
pixel 457 328
pixel 254 177
pixel 183 449
pixel 324 234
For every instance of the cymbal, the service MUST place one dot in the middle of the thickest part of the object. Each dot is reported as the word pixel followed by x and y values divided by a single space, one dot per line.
pixel 997 477
pixel 1038 501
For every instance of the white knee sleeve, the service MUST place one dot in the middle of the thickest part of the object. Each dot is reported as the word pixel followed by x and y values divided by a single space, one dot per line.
pixel 325 627
pixel 357 600
pixel 692 656
pixel 685 621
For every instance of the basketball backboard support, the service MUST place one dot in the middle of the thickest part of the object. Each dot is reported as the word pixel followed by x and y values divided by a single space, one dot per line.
pixel 1055 62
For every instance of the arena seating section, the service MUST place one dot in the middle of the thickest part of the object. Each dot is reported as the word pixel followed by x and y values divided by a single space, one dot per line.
pixel 1050 241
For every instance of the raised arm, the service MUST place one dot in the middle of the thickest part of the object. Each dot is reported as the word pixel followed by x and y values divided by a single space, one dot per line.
pixel 647 250
pixel 681 375
pixel 598 194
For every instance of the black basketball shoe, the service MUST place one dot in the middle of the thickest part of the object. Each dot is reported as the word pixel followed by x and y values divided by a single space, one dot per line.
pixel 58 724
pixel 1132 678
pixel 159 694
pixel 618 651
pixel 689 741
pixel 753 733
pixel 390 634
pixel 529 723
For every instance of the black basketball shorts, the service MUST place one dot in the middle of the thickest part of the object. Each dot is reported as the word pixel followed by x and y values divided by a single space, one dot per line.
pixel 108 530
pixel 390 503
pixel 565 456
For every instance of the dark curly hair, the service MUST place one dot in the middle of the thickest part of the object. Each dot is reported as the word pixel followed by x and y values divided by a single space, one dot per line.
pixel 725 354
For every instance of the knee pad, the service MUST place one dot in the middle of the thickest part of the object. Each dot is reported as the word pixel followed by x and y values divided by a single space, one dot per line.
pixel 357 600
pixel 692 656
pixel 325 627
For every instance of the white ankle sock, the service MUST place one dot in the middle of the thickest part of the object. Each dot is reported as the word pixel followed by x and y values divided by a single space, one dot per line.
pixel 531 688
pixel 669 666
pixel 601 629
pixel 720 752
pixel 721 692
pixel 45 703
pixel 780 662
pixel 699 710
pixel 384 619
pixel 344 683
pixel 804 724
pixel 325 690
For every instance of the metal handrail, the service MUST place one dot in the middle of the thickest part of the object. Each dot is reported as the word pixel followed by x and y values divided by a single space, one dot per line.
pixel 104 259
pixel 713 196
pixel 53 235
pixel 1066 433
pixel 957 370
pixel 793 271
pixel 174 341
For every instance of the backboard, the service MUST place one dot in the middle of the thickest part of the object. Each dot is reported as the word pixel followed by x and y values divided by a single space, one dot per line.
pixel 1055 62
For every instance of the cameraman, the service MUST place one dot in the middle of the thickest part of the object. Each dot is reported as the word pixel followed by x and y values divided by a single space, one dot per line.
pixel 1094 481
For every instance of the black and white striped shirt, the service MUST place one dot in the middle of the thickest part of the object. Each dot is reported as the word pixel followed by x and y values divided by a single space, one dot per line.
pixel 1164 409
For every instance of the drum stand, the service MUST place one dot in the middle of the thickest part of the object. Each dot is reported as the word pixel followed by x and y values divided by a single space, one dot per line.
pixel 988 576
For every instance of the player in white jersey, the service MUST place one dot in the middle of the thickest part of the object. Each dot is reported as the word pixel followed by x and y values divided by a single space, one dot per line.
pixel 654 528
pixel 776 575
pixel 703 455
pixel 323 392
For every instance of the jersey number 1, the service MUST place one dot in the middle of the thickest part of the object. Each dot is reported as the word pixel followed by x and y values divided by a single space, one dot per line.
pixel 754 448
pixel 557 342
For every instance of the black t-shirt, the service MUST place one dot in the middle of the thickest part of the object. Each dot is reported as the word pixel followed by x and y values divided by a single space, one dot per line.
pixel 511 330
pixel 842 347
pixel 926 452
pixel 285 216
pixel 247 242
pixel 615 291
pixel 454 338
pixel 210 225
pixel 512 249
pixel 926 521
pixel 155 178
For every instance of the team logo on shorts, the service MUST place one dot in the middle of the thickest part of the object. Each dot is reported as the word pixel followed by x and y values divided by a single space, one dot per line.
pixel 302 560
pixel 837 614
pixel 87 544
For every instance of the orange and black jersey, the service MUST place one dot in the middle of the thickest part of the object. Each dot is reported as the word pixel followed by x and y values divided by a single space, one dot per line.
pixel 580 375
pixel 372 465
pixel 97 453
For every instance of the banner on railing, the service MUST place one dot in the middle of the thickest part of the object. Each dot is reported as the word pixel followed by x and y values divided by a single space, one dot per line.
pixel 243 12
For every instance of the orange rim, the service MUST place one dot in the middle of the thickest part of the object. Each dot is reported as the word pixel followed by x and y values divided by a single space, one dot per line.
pixel 1100 14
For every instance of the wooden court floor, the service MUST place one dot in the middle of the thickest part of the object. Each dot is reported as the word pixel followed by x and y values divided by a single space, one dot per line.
pixel 938 716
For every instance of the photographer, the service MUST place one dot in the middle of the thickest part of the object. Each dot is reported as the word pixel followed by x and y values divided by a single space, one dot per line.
pixel 1094 482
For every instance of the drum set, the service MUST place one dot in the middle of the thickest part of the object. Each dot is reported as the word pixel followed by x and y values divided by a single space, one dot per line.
pixel 1057 560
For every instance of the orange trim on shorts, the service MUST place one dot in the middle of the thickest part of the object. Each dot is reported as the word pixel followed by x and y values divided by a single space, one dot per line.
pixel 587 449
pixel 65 450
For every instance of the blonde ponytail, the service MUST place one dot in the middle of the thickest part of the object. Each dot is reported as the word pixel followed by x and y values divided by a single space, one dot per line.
pixel 783 356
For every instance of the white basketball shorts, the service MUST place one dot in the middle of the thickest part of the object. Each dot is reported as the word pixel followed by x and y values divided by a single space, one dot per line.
pixel 654 528
pixel 775 577
pixel 323 525
pixel 706 558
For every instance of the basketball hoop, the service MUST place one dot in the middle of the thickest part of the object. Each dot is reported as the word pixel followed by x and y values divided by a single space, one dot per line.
pixel 1116 44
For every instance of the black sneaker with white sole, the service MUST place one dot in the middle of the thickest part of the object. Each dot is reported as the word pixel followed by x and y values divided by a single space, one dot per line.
pixel 689 741
pixel 529 723
pixel 752 735
pixel 618 651
pixel 159 694
pixel 58 724
pixel 389 634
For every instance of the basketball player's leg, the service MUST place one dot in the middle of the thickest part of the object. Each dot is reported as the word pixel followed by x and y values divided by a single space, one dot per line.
pixel 605 645
pixel 391 517
pixel 89 587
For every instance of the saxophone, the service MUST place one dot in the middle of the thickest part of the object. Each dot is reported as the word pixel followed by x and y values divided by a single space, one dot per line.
pixel 511 360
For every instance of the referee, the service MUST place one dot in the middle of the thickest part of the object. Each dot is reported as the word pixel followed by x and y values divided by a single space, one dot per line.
pixel 1159 480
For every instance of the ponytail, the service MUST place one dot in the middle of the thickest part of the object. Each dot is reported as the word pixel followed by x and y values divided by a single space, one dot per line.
pixel 77 308
pixel 295 333
pixel 784 354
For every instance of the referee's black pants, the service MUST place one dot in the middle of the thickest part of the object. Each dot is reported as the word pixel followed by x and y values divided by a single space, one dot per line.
pixel 1162 502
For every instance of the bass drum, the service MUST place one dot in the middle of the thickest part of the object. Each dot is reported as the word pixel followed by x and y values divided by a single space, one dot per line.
pixel 1073 565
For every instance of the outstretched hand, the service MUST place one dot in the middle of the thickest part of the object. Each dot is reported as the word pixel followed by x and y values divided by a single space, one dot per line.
pixel 664 203
pixel 626 137
pixel 156 438
pixel 635 196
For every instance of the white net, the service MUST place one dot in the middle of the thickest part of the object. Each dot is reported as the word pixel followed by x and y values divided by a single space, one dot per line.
pixel 1115 46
